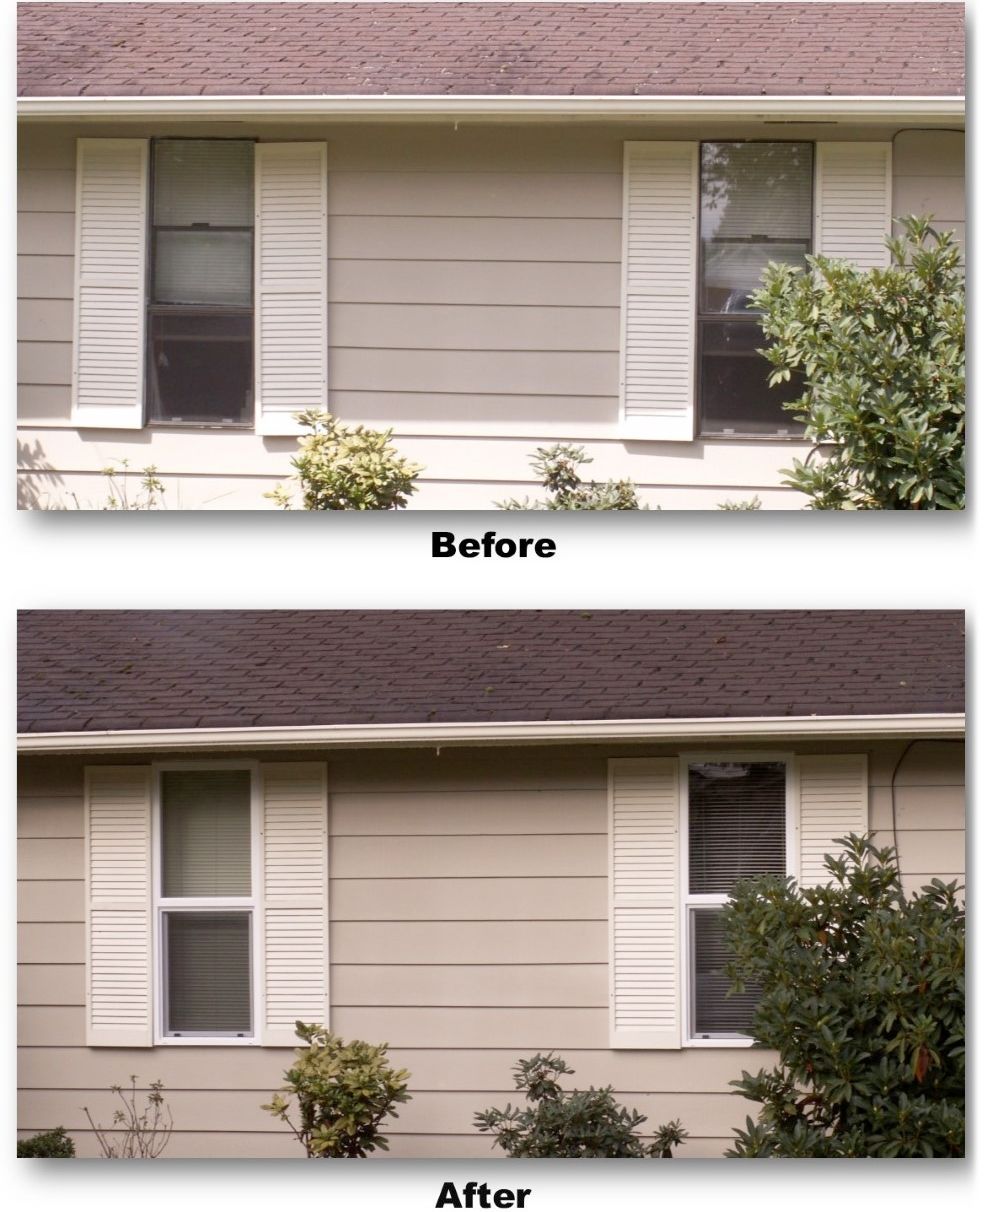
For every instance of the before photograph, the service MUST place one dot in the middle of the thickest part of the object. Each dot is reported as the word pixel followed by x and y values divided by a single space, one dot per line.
pixel 484 256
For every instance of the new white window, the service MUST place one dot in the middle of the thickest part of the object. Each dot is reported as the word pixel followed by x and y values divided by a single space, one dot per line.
pixel 683 829
pixel 736 825
pixel 205 903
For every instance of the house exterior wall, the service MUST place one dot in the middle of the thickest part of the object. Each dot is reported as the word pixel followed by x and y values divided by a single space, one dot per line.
pixel 468 905
pixel 474 307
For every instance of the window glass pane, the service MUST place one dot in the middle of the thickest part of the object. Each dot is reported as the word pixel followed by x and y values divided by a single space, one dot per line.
pixel 207 957
pixel 737 823
pixel 203 181
pixel 735 395
pixel 756 207
pixel 204 267
pixel 715 1013
pixel 205 833
pixel 201 367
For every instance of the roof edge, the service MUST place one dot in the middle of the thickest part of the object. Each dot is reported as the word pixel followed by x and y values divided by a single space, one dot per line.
pixel 483 106
pixel 536 732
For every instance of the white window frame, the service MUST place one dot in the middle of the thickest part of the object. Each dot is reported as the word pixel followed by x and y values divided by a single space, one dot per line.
pixel 690 900
pixel 251 903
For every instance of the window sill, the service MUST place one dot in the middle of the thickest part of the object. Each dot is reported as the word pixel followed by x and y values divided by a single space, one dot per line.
pixel 206 1041
pixel 738 1041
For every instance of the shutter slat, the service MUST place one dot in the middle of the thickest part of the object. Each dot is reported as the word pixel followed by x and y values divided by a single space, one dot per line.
pixel 110 267
pixel 833 801
pixel 658 288
pixel 854 202
pixel 295 898
pixel 119 997
pixel 291 283
pixel 644 829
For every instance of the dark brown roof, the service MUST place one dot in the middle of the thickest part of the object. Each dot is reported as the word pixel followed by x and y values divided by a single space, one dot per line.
pixel 646 49
pixel 94 670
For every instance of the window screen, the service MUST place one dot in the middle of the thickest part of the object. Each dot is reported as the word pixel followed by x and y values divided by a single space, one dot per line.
pixel 201 309
pixel 756 207
pixel 715 1012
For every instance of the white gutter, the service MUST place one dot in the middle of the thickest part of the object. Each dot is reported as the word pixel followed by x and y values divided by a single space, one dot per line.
pixel 787 108
pixel 334 736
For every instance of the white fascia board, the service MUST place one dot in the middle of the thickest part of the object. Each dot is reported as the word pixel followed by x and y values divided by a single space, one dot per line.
pixel 536 732
pixel 508 108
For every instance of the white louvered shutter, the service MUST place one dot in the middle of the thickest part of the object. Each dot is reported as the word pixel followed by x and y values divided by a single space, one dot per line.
pixel 644 833
pixel 291 283
pixel 118 971
pixel 833 801
pixel 659 282
pixel 110 270
pixel 854 202
pixel 294 898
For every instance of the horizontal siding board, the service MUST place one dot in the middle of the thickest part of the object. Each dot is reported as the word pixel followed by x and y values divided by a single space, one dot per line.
pixel 467 812
pixel 50 817
pixel 46 277
pixel 50 901
pixel 460 942
pixel 49 943
pixel 44 319
pixel 453 326
pixel 44 362
pixel 51 985
pixel 476 898
pixel 411 857
pixel 468 238
pixel 542 984
pixel 50 858
pixel 527 1029
pixel 46 234
pixel 497 194
pixel 528 372
pixel 517 283
pixel 46 190
pixel 918 808
pixel 695 1070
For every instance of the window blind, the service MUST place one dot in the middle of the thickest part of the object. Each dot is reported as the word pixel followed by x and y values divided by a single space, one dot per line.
pixel 737 823
pixel 207 969
pixel 206 833
pixel 715 1012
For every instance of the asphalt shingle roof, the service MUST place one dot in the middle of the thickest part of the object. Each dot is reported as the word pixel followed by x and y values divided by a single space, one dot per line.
pixel 95 670
pixel 645 49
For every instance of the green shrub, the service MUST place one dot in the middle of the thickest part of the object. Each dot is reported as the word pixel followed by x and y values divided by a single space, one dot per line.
pixel 47 1144
pixel 343 1093
pixel 556 467
pixel 741 506
pixel 576 1123
pixel 863 997
pixel 881 353
pixel 347 467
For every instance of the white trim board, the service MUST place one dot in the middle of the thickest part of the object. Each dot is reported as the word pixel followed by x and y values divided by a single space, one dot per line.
pixel 535 732
pixel 531 107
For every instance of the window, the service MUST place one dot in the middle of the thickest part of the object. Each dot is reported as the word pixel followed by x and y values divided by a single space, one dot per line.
pixel 200 321
pixel 756 206
pixel 205 903
pixel 735 825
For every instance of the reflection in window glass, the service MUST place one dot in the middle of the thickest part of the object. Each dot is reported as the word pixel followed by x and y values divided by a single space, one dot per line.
pixel 200 350
pixel 756 207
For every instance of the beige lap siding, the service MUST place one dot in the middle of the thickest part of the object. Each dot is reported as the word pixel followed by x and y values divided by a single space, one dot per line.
pixel 468 900
pixel 473 287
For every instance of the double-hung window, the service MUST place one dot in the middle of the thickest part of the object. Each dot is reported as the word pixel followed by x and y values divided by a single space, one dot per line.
pixel 735 825
pixel 756 206
pixel 200 318
pixel 201 294
pixel 700 223
pixel 206 905
pixel 683 830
